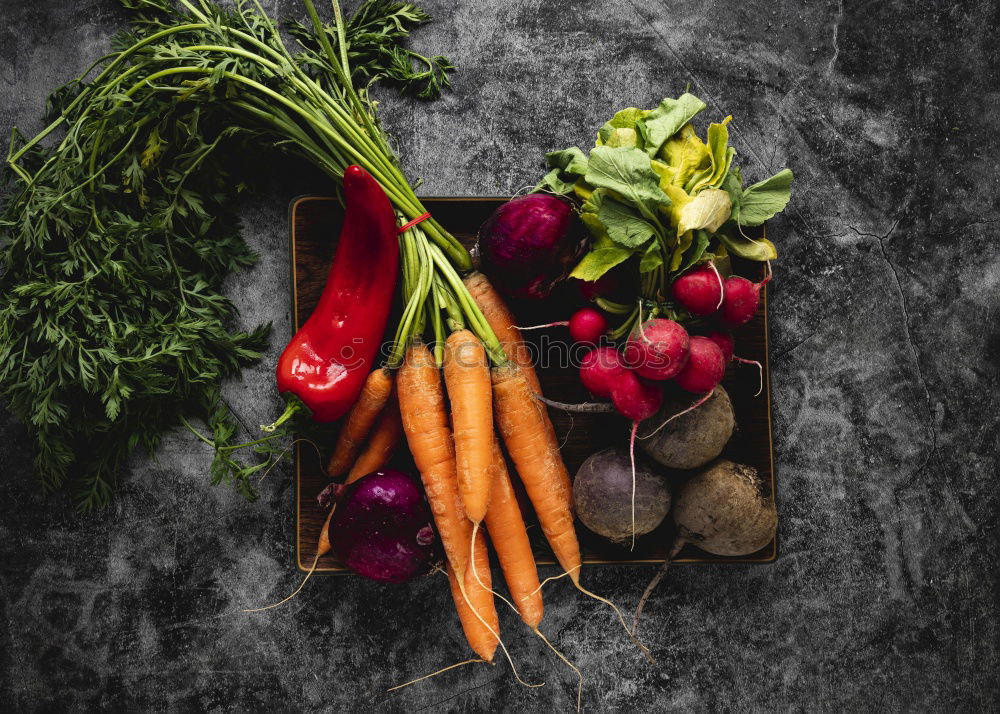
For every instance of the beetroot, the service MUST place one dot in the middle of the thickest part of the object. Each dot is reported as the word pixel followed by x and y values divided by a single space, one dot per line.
pixel 382 528
pixel 530 243
pixel 634 398
pixel 699 290
pixel 705 366
pixel 587 325
pixel 739 301
pixel 658 349
pixel 600 369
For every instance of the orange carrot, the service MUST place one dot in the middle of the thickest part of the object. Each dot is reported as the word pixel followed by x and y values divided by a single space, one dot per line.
pixel 510 541
pixel 385 438
pixel 501 321
pixel 359 421
pixel 467 379
pixel 535 452
pixel 482 638
pixel 425 423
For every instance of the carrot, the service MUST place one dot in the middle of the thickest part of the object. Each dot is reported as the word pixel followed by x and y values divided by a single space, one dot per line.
pixel 501 321
pixel 482 637
pixel 509 536
pixel 519 417
pixel 467 379
pixel 385 438
pixel 535 452
pixel 359 421
pixel 425 423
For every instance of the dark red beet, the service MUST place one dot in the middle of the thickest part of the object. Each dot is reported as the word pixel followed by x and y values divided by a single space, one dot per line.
pixel 699 290
pixel 705 366
pixel 382 528
pixel 530 243
pixel 739 301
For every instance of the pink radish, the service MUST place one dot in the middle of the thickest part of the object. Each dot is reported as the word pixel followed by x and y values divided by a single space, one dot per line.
pixel 705 367
pixel 740 300
pixel 586 325
pixel 725 342
pixel 658 349
pixel 597 288
pixel 600 369
pixel 699 291
pixel 635 400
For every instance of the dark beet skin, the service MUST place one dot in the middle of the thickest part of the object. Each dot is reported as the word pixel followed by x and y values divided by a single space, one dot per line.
pixel 382 528
pixel 529 244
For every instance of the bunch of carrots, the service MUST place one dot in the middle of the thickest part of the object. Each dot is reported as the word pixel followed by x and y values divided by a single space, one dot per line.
pixel 451 413
pixel 455 411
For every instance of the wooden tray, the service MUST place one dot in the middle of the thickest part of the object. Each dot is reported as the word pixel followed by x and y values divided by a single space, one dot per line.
pixel 315 225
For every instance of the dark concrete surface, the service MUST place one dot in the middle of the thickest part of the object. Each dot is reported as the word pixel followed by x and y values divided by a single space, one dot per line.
pixel 885 352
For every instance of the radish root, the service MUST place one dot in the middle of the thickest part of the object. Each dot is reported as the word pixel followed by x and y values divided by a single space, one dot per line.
pixel 582 408
pixel 694 406
pixel 722 286
pixel 561 323
pixel 759 366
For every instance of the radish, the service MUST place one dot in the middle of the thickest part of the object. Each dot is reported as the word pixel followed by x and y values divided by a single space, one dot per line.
pixel 586 325
pixel 705 367
pixel 725 342
pixel 658 349
pixel 740 300
pixel 635 400
pixel 699 291
pixel 600 369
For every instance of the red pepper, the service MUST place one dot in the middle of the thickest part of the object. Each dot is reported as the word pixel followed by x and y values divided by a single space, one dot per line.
pixel 329 358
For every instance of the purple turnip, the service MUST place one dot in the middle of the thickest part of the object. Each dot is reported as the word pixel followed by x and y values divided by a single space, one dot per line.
pixel 382 528
pixel 531 243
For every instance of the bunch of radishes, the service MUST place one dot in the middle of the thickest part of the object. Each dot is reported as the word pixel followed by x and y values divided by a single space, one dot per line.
pixel 661 349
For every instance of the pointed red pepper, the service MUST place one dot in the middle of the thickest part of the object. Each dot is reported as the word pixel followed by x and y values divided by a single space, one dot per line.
pixel 329 358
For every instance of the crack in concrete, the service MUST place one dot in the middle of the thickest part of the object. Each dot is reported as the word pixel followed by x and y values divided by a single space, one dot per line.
pixel 733 128
pixel 933 454
pixel 836 38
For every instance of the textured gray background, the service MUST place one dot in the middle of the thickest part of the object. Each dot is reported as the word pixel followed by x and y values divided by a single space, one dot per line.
pixel 885 357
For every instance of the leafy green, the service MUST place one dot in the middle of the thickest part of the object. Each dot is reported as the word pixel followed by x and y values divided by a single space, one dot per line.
pixel 653 189
pixel 626 172
pixel 116 237
pixel 666 120
pixel 763 200
pixel 623 226
pixel 625 119
pixel 759 249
